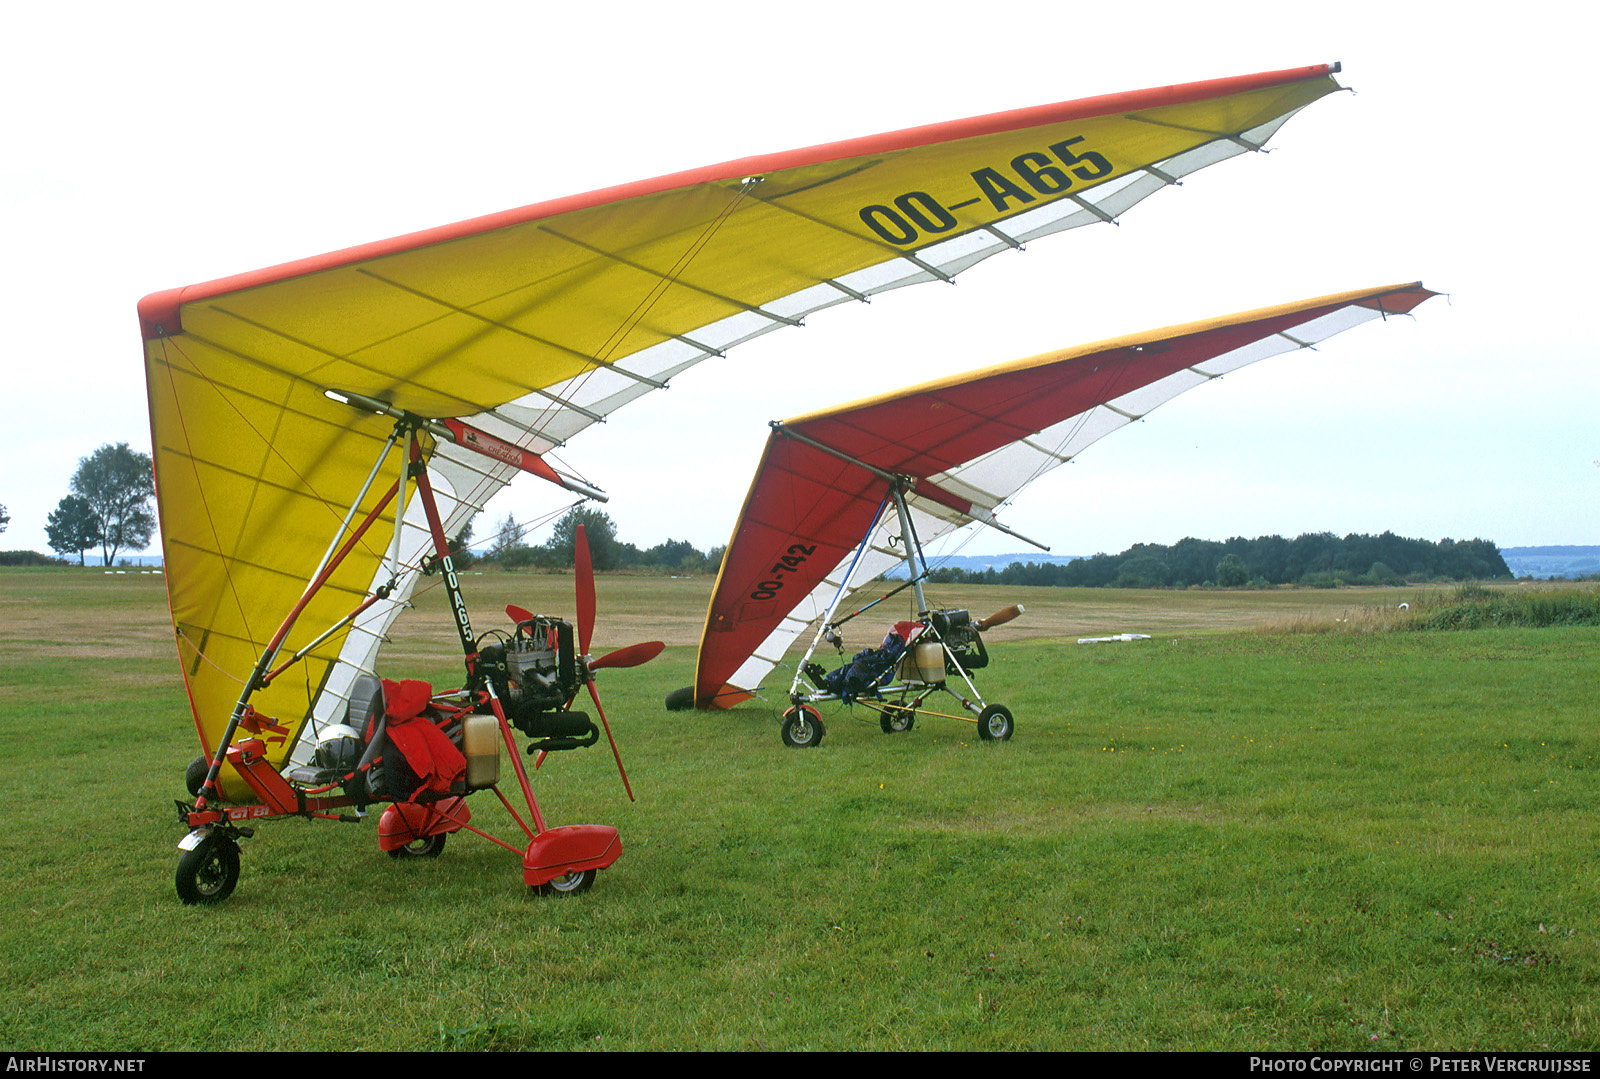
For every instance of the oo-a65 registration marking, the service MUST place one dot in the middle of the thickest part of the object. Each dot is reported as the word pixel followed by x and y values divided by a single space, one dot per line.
pixel 792 560
pixel 917 214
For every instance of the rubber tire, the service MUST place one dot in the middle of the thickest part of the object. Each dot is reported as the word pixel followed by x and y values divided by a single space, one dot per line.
pixel 896 718
pixel 995 724
pixel 571 884
pixel 680 700
pixel 802 729
pixel 208 873
pixel 427 846
pixel 194 776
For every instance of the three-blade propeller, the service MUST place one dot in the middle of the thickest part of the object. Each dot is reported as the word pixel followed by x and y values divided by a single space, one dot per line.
pixel 631 656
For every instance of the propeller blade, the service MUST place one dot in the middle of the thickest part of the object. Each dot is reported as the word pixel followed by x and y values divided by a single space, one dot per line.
pixel 621 771
pixel 999 618
pixel 631 656
pixel 517 614
pixel 584 572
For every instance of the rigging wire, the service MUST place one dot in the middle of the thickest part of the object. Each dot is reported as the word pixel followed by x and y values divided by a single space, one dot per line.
pixel 662 286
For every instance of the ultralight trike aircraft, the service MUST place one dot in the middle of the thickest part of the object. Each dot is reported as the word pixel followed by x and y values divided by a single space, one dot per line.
pixel 401 743
pixel 844 494
pixel 469 352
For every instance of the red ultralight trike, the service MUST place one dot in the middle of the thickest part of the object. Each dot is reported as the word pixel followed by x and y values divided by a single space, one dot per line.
pixel 402 745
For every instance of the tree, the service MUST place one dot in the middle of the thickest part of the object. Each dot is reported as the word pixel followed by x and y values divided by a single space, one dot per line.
pixel 460 550
pixel 598 529
pixel 72 528
pixel 1232 572
pixel 673 554
pixel 5 518
pixel 118 484
pixel 506 539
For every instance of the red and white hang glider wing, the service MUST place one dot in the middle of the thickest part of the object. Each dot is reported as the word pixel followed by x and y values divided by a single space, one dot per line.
pixel 529 325
pixel 970 443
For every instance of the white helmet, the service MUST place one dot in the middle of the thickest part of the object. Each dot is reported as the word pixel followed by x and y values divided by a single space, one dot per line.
pixel 339 747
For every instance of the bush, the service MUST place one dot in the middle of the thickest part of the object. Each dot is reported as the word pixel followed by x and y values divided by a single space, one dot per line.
pixel 1232 571
pixel 1475 607
pixel 30 558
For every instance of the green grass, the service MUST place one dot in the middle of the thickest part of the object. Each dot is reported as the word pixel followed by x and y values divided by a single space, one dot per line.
pixel 1475 607
pixel 1207 840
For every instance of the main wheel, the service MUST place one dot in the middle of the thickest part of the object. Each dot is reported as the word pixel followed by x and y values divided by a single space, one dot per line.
pixel 896 718
pixel 427 846
pixel 802 728
pixel 571 884
pixel 208 873
pixel 194 777
pixel 995 723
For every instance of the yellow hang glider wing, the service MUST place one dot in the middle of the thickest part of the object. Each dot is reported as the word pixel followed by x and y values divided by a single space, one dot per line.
pixel 534 323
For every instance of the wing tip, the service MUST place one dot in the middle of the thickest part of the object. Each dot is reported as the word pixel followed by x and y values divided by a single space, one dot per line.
pixel 682 700
pixel 159 314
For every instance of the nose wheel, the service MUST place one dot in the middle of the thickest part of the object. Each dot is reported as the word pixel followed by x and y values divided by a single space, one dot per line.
pixel 802 728
pixel 208 873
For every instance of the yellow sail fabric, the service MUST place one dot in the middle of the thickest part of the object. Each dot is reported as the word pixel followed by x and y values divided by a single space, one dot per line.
pixel 539 321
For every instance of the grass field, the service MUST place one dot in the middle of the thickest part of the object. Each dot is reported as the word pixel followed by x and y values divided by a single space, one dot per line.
pixel 1217 838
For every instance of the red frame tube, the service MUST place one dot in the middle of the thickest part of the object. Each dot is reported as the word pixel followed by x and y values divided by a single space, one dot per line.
pixel 258 676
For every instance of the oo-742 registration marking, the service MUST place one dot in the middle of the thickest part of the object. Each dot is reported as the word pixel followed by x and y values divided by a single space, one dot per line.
pixel 917 214
pixel 792 560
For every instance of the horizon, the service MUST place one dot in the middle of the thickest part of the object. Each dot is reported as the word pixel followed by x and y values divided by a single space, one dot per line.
pixel 142 559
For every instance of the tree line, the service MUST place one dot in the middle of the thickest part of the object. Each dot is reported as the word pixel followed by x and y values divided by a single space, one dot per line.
pixel 508 549
pixel 1316 559
pixel 108 507
pixel 1319 559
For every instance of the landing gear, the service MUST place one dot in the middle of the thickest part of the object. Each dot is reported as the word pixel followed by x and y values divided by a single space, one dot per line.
pixel 895 718
pixel 995 723
pixel 208 872
pixel 571 884
pixel 802 728
pixel 195 775
pixel 427 846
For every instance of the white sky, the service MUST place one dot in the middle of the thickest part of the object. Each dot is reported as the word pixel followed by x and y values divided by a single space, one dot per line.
pixel 161 144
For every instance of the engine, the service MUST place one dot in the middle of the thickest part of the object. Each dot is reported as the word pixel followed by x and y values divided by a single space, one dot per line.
pixel 534 672
pixel 957 630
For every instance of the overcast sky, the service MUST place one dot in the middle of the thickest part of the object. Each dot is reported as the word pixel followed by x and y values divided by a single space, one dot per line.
pixel 161 144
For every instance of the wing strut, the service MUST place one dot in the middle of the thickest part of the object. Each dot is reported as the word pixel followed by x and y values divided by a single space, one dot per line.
pixel 826 625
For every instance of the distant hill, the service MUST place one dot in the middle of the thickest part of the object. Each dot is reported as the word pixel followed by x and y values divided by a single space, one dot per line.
pixel 1552 561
